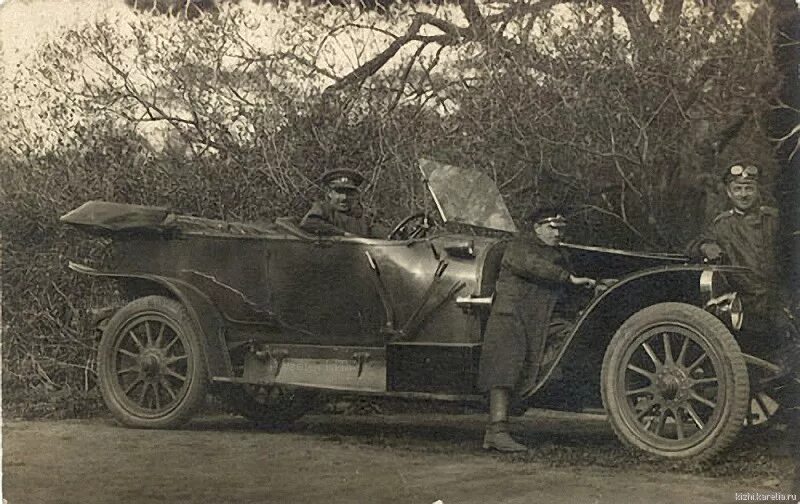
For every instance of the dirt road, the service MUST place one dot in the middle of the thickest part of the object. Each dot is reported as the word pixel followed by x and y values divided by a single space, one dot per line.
pixel 363 459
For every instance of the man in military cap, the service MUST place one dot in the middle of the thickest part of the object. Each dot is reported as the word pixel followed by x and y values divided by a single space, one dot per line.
pixel 746 235
pixel 534 273
pixel 340 213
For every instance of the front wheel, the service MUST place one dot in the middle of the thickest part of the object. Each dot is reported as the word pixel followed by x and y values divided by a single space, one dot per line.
pixel 674 382
pixel 151 365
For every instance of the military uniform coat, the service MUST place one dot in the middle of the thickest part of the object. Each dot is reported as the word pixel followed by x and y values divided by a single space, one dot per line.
pixel 322 218
pixel 532 278
pixel 749 240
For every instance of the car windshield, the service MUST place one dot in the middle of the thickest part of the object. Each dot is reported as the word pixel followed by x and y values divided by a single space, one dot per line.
pixel 466 196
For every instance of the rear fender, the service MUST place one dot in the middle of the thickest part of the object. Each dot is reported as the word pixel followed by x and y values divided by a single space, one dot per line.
pixel 200 309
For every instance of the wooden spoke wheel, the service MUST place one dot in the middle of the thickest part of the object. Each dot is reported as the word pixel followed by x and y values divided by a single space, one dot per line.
pixel 151 365
pixel 674 382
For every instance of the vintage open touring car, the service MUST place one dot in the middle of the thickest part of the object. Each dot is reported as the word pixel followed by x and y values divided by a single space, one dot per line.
pixel 269 315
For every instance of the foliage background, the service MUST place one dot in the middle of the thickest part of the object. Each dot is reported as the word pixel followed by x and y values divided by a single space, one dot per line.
pixel 624 117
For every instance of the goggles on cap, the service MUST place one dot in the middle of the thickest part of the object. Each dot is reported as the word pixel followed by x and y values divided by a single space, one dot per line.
pixel 743 171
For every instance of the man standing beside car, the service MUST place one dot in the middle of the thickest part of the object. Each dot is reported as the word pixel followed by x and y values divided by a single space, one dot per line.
pixel 534 272
pixel 746 235
pixel 340 213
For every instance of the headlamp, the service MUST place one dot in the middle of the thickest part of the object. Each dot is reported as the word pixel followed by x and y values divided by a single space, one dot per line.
pixel 721 301
pixel 728 308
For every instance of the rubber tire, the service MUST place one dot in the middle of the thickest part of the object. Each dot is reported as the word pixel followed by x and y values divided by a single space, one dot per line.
pixel 719 337
pixel 240 401
pixel 195 395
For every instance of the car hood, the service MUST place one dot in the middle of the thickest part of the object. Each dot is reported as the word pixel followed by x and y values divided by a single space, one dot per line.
pixel 603 262
pixel 466 196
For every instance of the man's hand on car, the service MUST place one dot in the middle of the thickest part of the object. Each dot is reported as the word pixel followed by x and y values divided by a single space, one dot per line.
pixel 582 281
pixel 711 251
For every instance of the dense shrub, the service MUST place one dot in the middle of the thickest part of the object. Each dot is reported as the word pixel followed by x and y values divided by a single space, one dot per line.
pixel 211 117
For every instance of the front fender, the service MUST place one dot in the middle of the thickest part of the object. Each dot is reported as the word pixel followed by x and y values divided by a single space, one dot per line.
pixel 200 309
pixel 599 321
pixel 690 283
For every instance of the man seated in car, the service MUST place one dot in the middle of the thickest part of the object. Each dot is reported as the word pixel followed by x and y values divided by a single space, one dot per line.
pixel 534 273
pixel 340 212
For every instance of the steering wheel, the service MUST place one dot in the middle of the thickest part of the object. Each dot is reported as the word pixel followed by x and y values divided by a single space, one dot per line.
pixel 413 226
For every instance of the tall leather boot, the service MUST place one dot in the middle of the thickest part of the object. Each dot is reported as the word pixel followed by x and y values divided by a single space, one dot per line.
pixel 497 436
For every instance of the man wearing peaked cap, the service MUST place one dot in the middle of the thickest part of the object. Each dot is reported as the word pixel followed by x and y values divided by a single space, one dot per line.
pixel 343 178
pixel 746 235
pixel 534 272
pixel 340 212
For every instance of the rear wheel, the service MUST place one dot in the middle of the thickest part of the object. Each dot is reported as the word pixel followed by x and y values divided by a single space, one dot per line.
pixel 151 365
pixel 674 382
pixel 268 405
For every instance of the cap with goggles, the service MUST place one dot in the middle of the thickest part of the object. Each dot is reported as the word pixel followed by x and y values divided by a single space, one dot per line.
pixel 742 173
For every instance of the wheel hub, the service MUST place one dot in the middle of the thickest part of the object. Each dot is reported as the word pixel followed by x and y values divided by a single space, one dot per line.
pixel 151 363
pixel 669 387
pixel 673 384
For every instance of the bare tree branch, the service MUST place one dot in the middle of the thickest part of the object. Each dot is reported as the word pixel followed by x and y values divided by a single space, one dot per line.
pixel 478 30
pixel 369 68
pixel 636 17
pixel 406 73
pixel 452 35
pixel 671 12
pixel 477 22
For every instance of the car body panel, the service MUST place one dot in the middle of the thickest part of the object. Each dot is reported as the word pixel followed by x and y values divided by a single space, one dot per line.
pixel 324 291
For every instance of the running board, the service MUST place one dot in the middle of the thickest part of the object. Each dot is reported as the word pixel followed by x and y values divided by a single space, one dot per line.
pixel 472 398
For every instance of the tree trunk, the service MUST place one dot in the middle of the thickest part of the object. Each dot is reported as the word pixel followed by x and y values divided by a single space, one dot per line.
pixel 781 122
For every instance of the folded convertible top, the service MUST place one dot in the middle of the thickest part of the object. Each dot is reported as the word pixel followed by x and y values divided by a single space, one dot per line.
pixel 105 218
pixel 108 216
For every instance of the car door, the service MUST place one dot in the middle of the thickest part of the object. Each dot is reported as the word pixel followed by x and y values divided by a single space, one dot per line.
pixel 322 292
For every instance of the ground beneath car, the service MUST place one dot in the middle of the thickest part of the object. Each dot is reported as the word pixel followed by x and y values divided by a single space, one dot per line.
pixel 377 458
